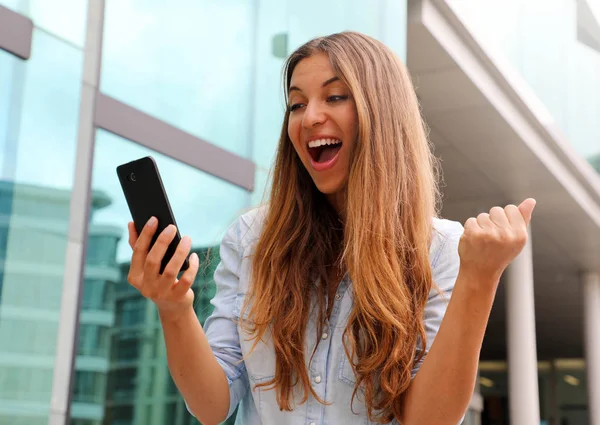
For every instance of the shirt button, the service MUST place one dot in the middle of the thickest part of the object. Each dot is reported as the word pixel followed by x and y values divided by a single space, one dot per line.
pixel 338 297
pixel 318 379
pixel 324 336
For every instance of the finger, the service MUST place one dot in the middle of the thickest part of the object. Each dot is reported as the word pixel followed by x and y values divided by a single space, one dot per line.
pixel 526 209
pixel 174 266
pixel 187 278
pixel 471 225
pixel 498 217
pixel 514 216
pixel 133 236
pixel 484 221
pixel 143 241
pixel 140 249
pixel 157 253
pixel 135 278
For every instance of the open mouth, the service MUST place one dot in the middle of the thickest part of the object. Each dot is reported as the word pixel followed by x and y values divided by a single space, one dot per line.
pixel 324 150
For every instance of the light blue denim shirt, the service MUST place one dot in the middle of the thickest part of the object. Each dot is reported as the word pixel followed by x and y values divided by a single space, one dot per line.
pixel 330 371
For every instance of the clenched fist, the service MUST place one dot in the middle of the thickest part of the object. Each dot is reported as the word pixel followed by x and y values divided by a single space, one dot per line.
pixel 491 241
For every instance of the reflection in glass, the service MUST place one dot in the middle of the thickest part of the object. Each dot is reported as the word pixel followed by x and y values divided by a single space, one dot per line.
pixel 544 49
pixel 204 206
pixel 93 340
pixel 39 101
pixel 121 364
pixel 562 388
pixel 183 65
pixel 138 375
pixel 572 396
pixel 88 387
pixel 64 19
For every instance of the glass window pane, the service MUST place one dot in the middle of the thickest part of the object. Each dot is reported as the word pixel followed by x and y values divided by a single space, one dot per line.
pixel 571 394
pixel 119 327
pixel 204 206
pixel 88 387
pixel 39 104
pixel 38 123
pixel 98 294
pixel 493 386
pixel 268 107
pixel 544 50
pixel 160 60
pixel 93 340
pixel 334 16
pixel 63 18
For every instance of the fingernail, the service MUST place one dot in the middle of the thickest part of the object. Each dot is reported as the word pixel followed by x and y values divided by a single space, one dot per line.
pixel 186 241
pixel 152 221
pixel 171 229
pixel 194 257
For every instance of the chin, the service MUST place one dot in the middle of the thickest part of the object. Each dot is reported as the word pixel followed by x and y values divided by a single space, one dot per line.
pixel 329 187
pixel 326 190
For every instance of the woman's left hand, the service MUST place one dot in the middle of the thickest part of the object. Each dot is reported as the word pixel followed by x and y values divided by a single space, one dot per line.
pixel 491 241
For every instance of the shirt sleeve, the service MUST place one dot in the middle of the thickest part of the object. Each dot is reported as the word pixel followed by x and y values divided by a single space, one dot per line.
pixel 445 264
pixel 220 328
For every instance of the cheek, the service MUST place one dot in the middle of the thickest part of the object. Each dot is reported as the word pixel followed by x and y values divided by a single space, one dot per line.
pixel 349 121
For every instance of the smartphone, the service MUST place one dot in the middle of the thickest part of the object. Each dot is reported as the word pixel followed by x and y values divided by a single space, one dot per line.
pixel 146 197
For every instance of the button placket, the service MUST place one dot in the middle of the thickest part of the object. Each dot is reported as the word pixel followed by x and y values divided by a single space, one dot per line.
pixel 318 365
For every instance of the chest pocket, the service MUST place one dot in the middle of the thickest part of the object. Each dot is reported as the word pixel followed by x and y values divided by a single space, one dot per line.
pixel 260 364
pixel 345 371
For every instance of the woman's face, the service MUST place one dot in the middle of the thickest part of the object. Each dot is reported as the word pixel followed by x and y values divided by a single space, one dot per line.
pixel 323 124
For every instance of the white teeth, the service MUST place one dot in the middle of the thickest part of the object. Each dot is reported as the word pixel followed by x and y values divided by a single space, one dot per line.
pixel 322 142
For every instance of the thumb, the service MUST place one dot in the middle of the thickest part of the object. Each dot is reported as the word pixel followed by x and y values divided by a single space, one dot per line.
pixel 526 209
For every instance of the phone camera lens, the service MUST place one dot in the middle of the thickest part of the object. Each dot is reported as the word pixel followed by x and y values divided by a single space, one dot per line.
pixel 132 177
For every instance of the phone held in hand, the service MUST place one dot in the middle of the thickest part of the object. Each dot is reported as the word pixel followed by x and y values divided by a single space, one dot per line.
pixel 146 197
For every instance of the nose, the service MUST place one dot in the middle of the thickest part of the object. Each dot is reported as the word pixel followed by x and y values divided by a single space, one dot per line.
pixel 313 115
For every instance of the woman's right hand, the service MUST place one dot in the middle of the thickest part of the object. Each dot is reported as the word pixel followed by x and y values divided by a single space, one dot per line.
pixel 172 296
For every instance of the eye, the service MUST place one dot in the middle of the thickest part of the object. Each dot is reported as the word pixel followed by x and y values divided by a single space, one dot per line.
pixel 336 98
pixel 295 106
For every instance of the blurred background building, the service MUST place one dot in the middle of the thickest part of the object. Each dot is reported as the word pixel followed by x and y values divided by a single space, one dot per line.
pixel 510 90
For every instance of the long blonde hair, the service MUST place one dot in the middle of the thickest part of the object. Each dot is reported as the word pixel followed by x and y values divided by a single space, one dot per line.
pixel 383 242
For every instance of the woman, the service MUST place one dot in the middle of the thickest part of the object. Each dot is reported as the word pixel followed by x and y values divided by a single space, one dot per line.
pixel 329 298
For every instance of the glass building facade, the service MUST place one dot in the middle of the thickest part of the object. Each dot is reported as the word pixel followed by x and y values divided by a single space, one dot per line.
pixel 554 48
pixel 562 387
pixel 209 72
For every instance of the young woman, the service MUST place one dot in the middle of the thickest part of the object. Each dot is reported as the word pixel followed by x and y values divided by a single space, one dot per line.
pixel 345 299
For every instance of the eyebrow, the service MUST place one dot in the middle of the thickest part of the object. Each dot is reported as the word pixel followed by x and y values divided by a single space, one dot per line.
pixel 325 84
